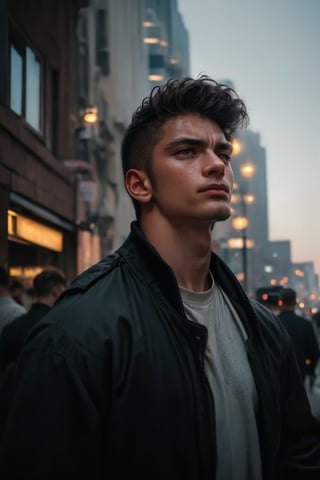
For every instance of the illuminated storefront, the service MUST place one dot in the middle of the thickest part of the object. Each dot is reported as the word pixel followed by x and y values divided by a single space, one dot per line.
pixel 35 241
pixel 24 228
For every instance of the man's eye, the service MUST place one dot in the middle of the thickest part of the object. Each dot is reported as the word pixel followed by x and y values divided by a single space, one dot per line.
pixel 185 152
pixel 224 157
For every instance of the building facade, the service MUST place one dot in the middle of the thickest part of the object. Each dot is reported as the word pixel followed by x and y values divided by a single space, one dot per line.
pixel 38 118
pixel 114 79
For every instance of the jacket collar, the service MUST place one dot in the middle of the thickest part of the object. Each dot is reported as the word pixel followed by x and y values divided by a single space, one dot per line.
pixel 145 259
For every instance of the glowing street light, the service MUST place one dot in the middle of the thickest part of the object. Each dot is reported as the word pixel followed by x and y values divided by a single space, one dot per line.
pixel 247 170
pixel 91 115
pixel 249 198
pixel 241 223
pixel 236 146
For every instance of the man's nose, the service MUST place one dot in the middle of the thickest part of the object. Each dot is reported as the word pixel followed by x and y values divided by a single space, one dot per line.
pixel 213 164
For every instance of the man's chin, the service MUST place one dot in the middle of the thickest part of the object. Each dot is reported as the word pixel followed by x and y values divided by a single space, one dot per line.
pixel 222 215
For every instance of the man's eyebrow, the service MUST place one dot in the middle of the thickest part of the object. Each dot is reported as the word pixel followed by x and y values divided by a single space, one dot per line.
pixel 198 142
pixel 225 146
pixel 185 141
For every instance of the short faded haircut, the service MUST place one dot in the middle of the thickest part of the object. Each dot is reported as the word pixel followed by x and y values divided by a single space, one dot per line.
pixel 45 281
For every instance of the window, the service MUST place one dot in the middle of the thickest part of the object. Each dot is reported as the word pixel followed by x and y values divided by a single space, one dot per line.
pixel 102 44
pixel 16 82
pixel 156 61
pixel 83 55
pixel 25 81
pixel 54 111
pixel 32 89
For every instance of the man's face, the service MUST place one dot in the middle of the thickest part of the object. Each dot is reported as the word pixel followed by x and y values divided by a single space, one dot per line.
pixel 192 174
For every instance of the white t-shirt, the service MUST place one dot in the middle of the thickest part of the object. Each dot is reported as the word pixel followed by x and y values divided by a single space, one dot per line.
pixel 231 381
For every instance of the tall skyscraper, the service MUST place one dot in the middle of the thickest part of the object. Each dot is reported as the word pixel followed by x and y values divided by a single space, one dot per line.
pixel 167 40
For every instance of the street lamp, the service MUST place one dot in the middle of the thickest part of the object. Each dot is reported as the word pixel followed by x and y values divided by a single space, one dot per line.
pixel 247 170
pixel 236 146
pixel 90 115
pixel 241 223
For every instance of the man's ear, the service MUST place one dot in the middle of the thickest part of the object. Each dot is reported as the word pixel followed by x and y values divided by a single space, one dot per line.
pixel 138 185
pixel 54 293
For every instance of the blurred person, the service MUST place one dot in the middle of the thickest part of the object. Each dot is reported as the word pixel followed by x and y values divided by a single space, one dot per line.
pixel 272 304
pixel 316 325
pixel 17 291
pixel 47 287
pixel 154 363
pixel 313 389
pixel 9 308
pixel 301 332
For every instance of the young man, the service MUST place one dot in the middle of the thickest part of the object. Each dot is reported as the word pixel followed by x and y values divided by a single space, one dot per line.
pixel 155 365
pixel 301 332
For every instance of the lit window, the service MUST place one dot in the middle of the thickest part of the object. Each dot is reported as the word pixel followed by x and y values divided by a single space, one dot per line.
pixel 156 78
pixel 151 40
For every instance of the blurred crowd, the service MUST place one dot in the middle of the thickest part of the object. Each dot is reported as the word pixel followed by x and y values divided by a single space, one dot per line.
pixel 21 308
pixel 305 335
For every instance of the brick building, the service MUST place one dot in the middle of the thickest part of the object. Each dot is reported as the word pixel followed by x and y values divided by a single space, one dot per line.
pixel 38 120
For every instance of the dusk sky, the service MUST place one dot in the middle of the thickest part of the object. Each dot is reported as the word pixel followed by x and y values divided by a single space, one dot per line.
pixel 269 49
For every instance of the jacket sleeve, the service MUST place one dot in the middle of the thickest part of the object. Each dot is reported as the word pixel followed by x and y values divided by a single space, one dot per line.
pixel 54 425
pixel 300 439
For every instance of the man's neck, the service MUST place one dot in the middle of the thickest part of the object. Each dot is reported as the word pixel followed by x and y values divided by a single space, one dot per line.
pixel 186 248
pixel 285 308
pixel 47 300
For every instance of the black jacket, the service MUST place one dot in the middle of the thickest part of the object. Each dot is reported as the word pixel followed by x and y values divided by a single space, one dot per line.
pixel 304 341
pixel 112 385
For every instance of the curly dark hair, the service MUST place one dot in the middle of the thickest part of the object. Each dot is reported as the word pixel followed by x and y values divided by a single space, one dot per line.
pixel 202 96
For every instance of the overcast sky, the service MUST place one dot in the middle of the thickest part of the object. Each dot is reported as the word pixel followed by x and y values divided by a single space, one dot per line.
pixel 270 50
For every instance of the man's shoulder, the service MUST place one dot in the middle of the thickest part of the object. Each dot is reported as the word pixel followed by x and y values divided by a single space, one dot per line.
pixel 91 278
pixel 89 307
pixel 292 318
pixel 10 310
pixel 94 273
pixel 8 302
